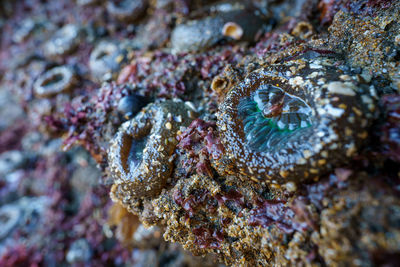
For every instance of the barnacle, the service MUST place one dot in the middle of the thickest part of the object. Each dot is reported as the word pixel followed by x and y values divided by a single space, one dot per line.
pixel 87 2
pixel 127 10
pixel 54 81
pixel 30 27
pixel 64 41
pixel 296 119
pixel 140 154
pixel 9 218
pixel 106 59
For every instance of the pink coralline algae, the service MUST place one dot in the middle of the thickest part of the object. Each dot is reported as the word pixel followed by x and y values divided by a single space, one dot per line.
pixel 256 133
pixel 202 144
pixel 84 119
pixel 11 138
pixel 329 8
pixel 20 255
pixel 275 212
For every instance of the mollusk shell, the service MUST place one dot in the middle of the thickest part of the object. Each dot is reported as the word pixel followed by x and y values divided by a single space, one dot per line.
pixel 200 34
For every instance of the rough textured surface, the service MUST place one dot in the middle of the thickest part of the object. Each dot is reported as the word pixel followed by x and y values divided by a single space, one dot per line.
pixel 341 109
pixel 140 156
pixel 289 156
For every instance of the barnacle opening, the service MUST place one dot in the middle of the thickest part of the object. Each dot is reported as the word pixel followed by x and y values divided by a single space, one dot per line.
pixel 103 51
pixel 271 116
pixel 64 41
pixel 126 10
pixel 58 77
pixel 54 81
pixel 106 59
pixel 9 217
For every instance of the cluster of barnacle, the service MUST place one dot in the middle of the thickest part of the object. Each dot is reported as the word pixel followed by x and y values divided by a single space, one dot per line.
pixel 73 59
pixel 248 182
pixel 53 67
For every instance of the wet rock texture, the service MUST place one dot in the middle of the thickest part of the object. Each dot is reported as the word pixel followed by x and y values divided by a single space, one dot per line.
pixel 255 133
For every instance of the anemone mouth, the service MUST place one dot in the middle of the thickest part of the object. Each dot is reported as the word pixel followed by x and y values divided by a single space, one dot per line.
pixel 271 117
pixel 131 152
pixel 136 152
pixel 125 151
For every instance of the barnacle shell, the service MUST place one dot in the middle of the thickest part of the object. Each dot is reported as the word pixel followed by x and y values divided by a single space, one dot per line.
pixel 140 154
pixel 54 81
pixel 64 41
pixel 295 120
pixel 88 2
pixel 127 10
pixel 30 28
pixel 106 60
pixel 9 218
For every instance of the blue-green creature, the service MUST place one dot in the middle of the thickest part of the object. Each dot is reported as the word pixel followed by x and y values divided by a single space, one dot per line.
pixel 270 115
pixel 294 120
